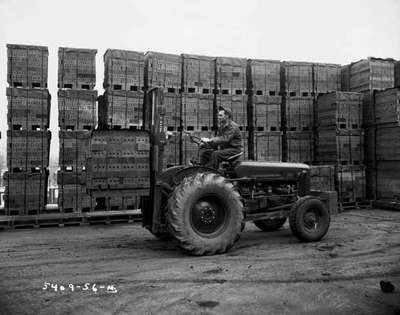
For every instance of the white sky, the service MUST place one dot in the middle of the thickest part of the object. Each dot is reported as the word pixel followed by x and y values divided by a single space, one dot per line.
pixel 339 31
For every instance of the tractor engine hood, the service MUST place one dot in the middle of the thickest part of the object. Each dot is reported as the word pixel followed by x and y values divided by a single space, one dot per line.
pixel 271 170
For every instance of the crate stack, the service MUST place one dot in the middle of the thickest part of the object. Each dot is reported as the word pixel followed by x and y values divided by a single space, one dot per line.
pixel 383 147
pixel 165 71
pixel 120 119
pixel 118 169
pixel 28 137
pixel 297 111
pixel 77 115
pixel 369 76
pixel 230 93
pixel 397 74
pixel 340 142
pixel 366 76
pixel 124 85
pixel 197 102
pixel 265 101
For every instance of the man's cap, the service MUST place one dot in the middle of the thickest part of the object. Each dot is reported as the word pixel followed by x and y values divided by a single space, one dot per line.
pixel 227 111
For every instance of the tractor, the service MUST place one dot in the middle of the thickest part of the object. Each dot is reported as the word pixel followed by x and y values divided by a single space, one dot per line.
pixel 204 209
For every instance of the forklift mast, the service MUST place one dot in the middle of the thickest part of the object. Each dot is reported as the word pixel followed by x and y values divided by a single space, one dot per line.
pixel 154 122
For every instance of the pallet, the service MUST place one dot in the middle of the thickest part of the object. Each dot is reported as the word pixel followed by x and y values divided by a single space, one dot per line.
pixel 387 204
pixel 355 205
pixel 70 219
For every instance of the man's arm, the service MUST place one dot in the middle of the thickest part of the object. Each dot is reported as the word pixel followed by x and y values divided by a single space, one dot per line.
pixel 226 137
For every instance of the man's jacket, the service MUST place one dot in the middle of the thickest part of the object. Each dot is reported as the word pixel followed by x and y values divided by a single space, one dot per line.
pixel 228 136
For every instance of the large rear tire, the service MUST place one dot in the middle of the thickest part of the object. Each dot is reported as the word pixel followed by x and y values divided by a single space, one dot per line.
pixel 309 219
pixel 269 225
pixel 205 214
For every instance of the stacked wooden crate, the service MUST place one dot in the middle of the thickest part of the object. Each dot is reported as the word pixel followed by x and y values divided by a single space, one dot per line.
pixel 114 166
pixel 264 99
pixel 297 111
pixel 327 78
pixel 230 93
pixel 197 102
pixel 165 71
pixel 366 76
pixel 28 137
pixel 369 76
pixel 118 169
pixel 383 147
pixel 77 118
pixel 124 83
pixel 340 142
pixel 397 74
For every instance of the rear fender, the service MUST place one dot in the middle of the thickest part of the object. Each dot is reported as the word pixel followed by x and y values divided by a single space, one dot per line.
pixel 174 175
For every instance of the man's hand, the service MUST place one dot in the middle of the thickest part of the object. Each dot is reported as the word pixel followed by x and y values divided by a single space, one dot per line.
pixel 205 140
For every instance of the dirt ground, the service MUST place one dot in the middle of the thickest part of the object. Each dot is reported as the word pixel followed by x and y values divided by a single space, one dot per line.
pixel 265 273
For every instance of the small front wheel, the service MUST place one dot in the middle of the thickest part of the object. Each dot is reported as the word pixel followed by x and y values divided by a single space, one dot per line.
pixel 309 219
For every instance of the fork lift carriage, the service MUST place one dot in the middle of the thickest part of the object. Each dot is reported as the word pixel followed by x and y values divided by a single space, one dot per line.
pixel 205 209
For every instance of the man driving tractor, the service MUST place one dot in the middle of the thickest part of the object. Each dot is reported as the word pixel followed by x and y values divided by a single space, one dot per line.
pixel 227 143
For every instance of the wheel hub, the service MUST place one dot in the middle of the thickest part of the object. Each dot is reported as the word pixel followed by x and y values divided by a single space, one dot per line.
pixel 311 220
pixel 207 216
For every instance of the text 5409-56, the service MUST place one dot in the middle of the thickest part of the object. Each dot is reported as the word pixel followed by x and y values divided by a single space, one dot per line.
pixel 90 287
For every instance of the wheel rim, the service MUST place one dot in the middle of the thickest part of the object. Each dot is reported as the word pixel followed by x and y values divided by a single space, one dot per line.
pixel 312 220
pixel 208 216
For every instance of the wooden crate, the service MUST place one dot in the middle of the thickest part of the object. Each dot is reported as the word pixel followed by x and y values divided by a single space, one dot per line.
pixel 300 146
pixel 118 160
pixel 25 193
pixel 345 78
pixel 383 142
pixel 299 113
pixel 163 70
pixel 322 177
pixel 268 146
pixel 327 77
pixel 351 183
pixel 76 68
pixel 198 74
pixel 265 77
pixel 297 78
pixel 28 109
pixel 173 105
pixel 122 109
pixel 123 70
pixel 397 74
pixel 387 106
pixel 27 66
pixel 77 110
pixel 340 109
pixel 74 198
pixel 340 146
pixel 205 112
pixel 27 150
pixel 74 150
pixel 371 74
pixel 231 75
pixel 383 180
pixel 267 113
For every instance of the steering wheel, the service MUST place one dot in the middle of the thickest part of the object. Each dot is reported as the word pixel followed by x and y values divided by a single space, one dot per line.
pixel 194 139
